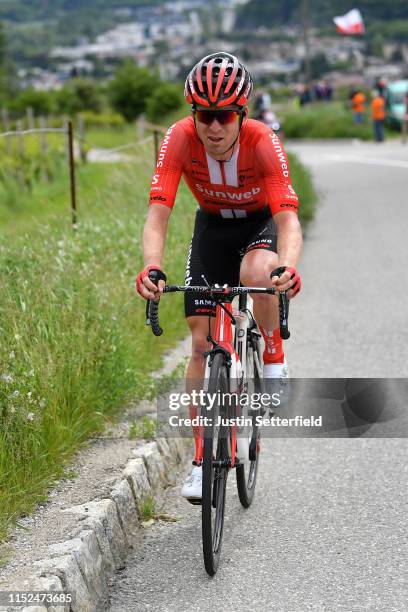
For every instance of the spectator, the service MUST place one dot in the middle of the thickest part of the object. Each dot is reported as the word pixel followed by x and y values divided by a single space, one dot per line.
pixel 306 96
pixel 328 91
pixel 405 120
pixel 358 106
pixel 262 103
pixel 319 91
pixel 380 87
pixel 378 116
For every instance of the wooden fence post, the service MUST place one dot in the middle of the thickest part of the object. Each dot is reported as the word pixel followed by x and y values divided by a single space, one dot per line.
pixel 66 128
pixel 44 149
pixel 81 138
pixel 6 128
pixel 141 127
pixel 30 118
pixel 156 145
pixel 20 153
pixel 70 144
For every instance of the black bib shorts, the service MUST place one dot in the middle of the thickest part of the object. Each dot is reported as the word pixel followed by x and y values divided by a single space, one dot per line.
pixel 216 250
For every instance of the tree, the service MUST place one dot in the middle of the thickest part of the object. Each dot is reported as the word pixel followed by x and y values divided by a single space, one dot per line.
pixel 3 86
pixel 397 55
pixel 376 45
pixel 165 99
pixel 130 89
pixel 7 70
pixel 318 65
pixel 40 101
pixel 88 95
pixel 78 95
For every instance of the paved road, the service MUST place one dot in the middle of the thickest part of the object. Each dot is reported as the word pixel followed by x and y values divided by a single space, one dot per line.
pixel 328 529
pixel 350 319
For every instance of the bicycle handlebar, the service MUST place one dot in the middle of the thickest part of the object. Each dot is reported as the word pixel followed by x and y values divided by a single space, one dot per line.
pixel 152 307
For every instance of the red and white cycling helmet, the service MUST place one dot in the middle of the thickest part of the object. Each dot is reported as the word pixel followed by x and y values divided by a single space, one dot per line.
pixel 218 80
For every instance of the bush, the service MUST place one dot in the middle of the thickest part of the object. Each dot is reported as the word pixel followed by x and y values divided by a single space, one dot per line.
pixel 104 120
pixel 40 101
pixel 78 95
pixel 324 121
pixel 165 99
pixel 130 89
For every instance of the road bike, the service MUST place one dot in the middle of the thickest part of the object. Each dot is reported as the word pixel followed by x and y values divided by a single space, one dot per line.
pixel 229 440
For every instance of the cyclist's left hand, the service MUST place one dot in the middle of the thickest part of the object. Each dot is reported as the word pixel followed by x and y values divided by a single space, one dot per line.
pixel 289 281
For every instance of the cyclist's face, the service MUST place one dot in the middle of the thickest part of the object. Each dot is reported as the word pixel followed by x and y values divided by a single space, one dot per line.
pixel 217 136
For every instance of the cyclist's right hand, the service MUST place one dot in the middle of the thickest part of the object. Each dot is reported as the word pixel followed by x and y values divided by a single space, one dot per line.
pixel 148 289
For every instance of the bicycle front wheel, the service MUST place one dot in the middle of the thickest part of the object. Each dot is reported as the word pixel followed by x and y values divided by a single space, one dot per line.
pixel 216 458
pixel 247 471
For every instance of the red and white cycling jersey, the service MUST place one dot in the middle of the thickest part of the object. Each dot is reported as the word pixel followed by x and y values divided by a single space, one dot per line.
pixel 257 174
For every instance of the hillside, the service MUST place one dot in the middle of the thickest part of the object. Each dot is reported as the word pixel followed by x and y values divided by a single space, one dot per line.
pixel 273 13
pixel 33 28
pixel 21 11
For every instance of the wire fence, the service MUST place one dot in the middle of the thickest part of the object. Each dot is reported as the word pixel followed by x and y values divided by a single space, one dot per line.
pixel 76 147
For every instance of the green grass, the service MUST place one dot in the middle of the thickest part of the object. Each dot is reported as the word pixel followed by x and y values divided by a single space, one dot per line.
pixel 325 121
pixel 303 185
pixel 32 144
pixel 50 202
pixel 105 138
pixel 145 428
pixel 74 345
pixel 147 509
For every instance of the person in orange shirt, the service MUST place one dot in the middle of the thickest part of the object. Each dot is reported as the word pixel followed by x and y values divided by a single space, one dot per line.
pixel 378 116
pixel 358 106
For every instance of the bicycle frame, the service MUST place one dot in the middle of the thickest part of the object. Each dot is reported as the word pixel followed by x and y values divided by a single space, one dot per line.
pixel 223 341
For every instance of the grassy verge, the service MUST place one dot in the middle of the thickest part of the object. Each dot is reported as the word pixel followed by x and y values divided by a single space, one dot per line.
pixel 303 185
pixel 326 121
pixel 50 202
pixel 107 138
pixel 74 345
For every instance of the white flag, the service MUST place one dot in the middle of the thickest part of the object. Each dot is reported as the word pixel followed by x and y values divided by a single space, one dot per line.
pixel 350 23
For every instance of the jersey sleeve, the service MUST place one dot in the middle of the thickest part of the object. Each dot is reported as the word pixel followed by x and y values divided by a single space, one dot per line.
pixel 169 166
pixel 274 169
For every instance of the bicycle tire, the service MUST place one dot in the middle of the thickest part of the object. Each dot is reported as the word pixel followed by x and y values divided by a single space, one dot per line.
pixel 214 478
pixel 247 471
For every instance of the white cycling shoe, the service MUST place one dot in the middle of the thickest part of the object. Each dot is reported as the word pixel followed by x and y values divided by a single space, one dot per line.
pixel 193 486
pixel 276 381
pixel 276 370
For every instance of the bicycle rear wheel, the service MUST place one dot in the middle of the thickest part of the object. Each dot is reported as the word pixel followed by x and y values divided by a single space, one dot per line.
pixel 215 474
pixel 247 471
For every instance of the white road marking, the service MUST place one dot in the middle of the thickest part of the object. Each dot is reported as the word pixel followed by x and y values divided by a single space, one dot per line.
pixel 375 161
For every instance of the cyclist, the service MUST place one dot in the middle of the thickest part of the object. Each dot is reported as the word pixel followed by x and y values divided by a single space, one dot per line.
pixel 246 224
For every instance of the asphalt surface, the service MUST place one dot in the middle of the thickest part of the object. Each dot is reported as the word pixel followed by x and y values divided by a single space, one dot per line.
pixel 350 319
pixel 328 527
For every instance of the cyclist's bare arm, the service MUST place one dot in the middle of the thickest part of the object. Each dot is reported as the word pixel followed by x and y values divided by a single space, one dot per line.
pixel 154 238
pixel 289 245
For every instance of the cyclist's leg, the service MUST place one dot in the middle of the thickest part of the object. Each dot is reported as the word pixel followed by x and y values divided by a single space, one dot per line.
pixel 199 345
pixel 258 262
pixel 256 267
pixel 195 370
pixel 209 254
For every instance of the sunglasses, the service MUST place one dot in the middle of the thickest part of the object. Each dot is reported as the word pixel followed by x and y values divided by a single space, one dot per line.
pixel 224 117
